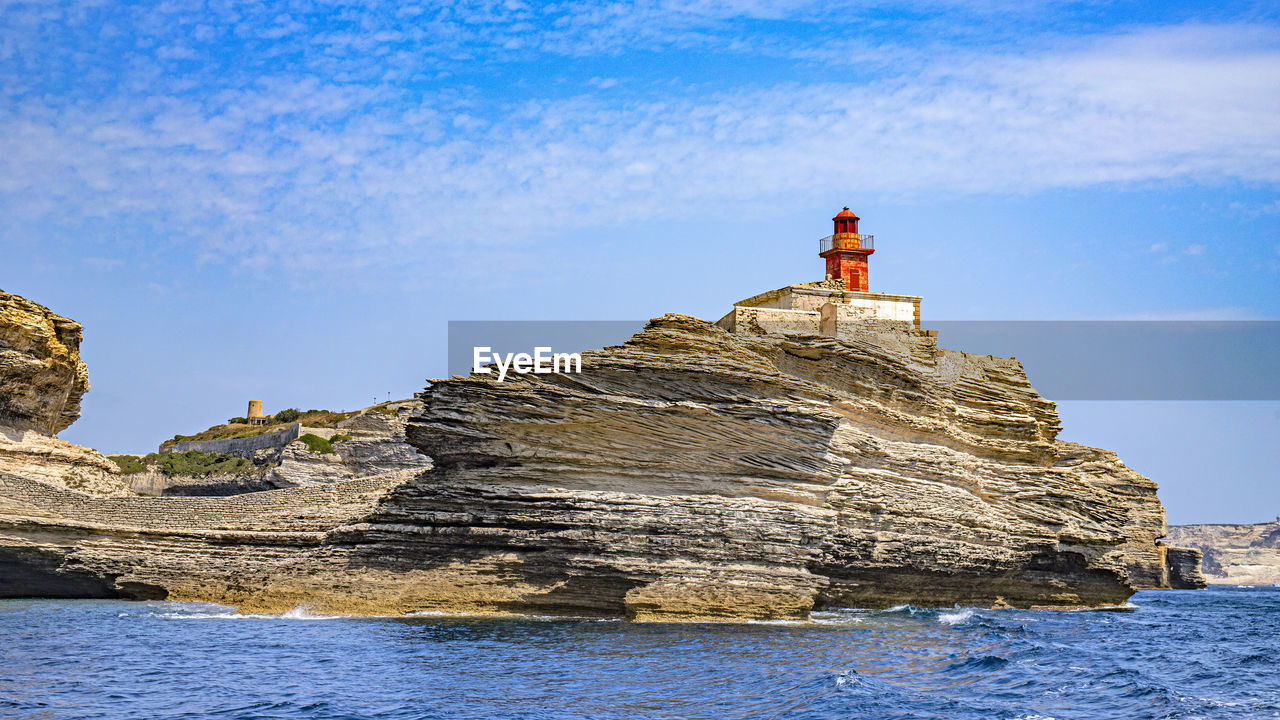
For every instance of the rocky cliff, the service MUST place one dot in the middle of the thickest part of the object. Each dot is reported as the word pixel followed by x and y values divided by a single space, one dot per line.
pixel 1234 554
pixel 42 377
pixel 692 471
pixel 42 380
pixel 688 473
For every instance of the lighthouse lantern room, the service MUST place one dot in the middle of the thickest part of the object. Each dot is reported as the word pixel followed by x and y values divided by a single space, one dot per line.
pixel 846 252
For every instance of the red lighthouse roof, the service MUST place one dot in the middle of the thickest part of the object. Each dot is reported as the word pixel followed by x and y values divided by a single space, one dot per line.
pixel 846 213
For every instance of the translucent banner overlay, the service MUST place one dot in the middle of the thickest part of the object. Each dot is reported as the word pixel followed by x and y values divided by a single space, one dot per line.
pixel 1065 360
pixel 524 336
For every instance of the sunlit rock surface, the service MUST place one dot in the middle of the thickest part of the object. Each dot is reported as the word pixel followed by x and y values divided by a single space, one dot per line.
pixel 42 377
pixel 1234 554
pixel 42 380
pixel 688 473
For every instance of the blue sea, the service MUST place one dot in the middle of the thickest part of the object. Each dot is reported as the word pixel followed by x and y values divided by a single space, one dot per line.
pixel 1173 654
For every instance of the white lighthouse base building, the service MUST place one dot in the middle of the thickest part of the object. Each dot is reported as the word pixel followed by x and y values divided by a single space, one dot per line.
pixel 820 308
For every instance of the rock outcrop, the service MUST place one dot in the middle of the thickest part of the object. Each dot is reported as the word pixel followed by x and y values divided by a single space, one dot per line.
pixel 694 472
pixel 1183 564
pixel 690 473
pixel 42 380
pixel 58 462
pixel 377 447
pixel 42 377
pixel 1234 554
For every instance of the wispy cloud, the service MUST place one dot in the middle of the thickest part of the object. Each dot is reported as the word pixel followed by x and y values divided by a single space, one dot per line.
pixel 336 156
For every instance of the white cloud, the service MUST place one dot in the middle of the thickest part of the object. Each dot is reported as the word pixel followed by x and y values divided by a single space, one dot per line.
pixel 270 172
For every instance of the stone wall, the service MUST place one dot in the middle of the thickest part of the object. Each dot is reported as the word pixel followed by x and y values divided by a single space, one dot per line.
pixel 292 509
pixel 845 309
pixel 240 447
pixel 47 458
pixel 773 321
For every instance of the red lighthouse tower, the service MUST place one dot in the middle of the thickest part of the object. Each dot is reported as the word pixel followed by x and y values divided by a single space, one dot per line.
pixel 846 252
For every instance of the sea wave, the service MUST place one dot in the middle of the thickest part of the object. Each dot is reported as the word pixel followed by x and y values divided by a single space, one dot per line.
pixel 1176 654
pixel 956 617
pixel 211 611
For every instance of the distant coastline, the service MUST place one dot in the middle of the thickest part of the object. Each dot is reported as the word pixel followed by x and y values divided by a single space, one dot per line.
pixel 1234 554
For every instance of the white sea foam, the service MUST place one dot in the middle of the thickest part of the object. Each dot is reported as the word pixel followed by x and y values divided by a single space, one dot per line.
pixel 209 611
pixel 302 613
pixel 848 677
pixel 506 616
pixel 957 616
pixel 836 617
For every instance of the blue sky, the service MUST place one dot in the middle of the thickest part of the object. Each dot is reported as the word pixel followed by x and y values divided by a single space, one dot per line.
pixel 288 201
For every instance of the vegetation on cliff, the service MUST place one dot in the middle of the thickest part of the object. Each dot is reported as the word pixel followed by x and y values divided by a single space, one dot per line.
pixel 316 444
pixel 192 463
pixel 232 430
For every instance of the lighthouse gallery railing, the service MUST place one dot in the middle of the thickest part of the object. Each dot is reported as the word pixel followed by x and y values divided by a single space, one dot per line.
pixel 848 242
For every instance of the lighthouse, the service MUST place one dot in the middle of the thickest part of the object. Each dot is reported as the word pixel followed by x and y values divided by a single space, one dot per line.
pixel 846 252
pixel 840 305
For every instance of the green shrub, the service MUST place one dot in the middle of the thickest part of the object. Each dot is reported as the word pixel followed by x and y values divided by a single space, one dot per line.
pixel 287 415
pixel 317 444
pixel 238 421
pixel 128 464
pixel 187 463
pixel 197 463
pixel 335 439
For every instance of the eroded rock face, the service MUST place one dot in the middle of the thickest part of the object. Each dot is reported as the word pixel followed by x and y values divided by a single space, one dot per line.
pixel 377 447
pixel 29 453
pixel 1234 554
pixel 1184 568
pixel 689 473
pixel 42 377
pixel 692 472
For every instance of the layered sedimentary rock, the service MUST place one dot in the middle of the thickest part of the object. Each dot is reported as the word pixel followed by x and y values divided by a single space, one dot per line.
pixel 1234 554
pixel 58 462
pixel 42 380
pixel 262 550
pixel 377 447
pixel 1184 568
pixel 688 473
pixel 694 471
pixel 42 377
